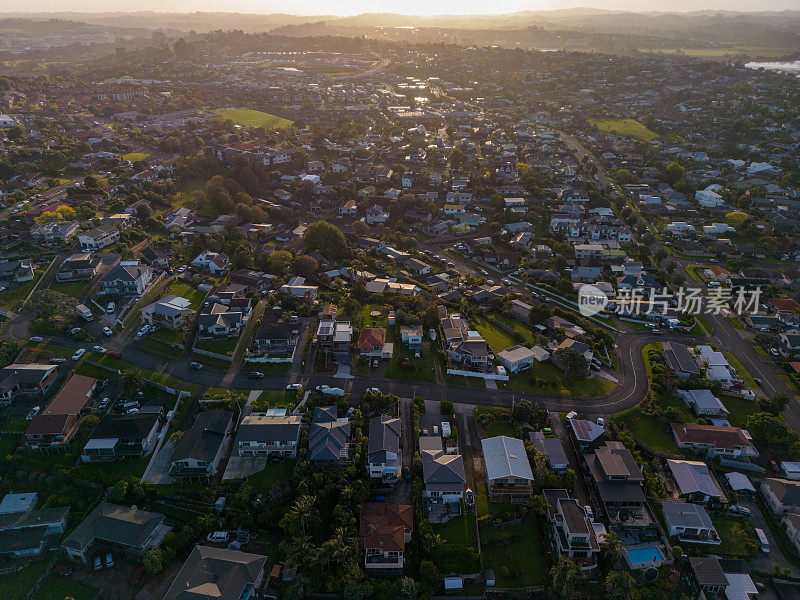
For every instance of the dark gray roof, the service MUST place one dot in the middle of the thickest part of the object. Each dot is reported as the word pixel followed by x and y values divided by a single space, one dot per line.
pixel 708 572
pixel 260 427
pixel 693 477
pixel 679 359
pixel 216 574
pixel 443 469
pixel 384 435
pixel 506 457
pixel 202 441
pixel 549 446
pixel 128 427
pixel 129 527
pixel 686 514
pixel 324 414
pixel 327 441
pixel 32 518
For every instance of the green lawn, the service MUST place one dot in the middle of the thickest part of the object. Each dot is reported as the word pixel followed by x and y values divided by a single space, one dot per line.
pixel 457 553
pixel 274 399
pixel 516 326
pixel 626 127
pixel 70 289
pixel 58 588
pixel 254 118
pixel 516 564
pixel 656 434
pixel 223 346
pixel 738 410
pixel 404 366
pixel 497 339
pixel 264 480
pixel 546 378
pixel 14 424
pixel 366 318
pixel 494 428
pixel 735 543
pixel 17 292
pixel 184 290
pixel 748 379
pixel 135 156
pixel 15 586
pixel 109 473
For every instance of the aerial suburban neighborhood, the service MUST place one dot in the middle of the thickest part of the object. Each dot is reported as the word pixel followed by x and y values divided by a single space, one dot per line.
pixel 361 311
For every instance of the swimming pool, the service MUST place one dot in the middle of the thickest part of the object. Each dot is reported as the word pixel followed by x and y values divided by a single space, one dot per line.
pixel 645 555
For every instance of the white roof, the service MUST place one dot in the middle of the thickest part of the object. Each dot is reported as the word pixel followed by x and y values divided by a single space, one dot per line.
pixel 740 482
pixel 740 586
pixel 506 457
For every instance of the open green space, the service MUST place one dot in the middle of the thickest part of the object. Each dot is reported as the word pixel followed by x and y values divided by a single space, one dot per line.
pixel 70 289
pixel 184 290
pixel 14 586
pixel 497 421
pixel 517 553
pixel 266 478
pixel 516 326
pixel 404 365
pixel 17 292
pixel 135 156
pixel 274 399
pixel 111 472
pixel 223 346
pixel 546 378
pixel 738 536
pixel 497 339
pixel 456 552
pixel 379 320
pixel 254 118
pixel 58 588
pixel 627 127
pixel 738 410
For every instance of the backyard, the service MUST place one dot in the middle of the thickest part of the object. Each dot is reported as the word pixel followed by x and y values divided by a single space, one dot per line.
pixel 457 552
pixel 272 472
pixel 516 553
pixel 737 535
pixel 274 399
pixel 493 421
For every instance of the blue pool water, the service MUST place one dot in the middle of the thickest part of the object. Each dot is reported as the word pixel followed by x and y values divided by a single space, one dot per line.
pixel 638 556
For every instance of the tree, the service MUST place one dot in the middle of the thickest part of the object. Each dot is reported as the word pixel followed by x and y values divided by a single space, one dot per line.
pixel 50 305
pixel 305 265
pixel 119 490
pixel 539 313
pixel 16 133
pixel 572 362
pixel 326 239
pixel 154 561
pixel 278 261
pixel 619 585
pixel 429 575
pixel 407 588
pixel 774 405
pixel 132 380
pixel 611 550
pixel 522 412
pixel 564 578
pixel 767 428
pixel 674 173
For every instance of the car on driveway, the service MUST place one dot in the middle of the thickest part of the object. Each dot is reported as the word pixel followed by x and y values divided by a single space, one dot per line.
pixel 114 355
pixel 218 537
pixel 196 366
pixel 738 509
pixel 107 331
pixel 294 386
pixel 143 330
pixel 330 391
pixel 99 350
pixel 137 575
pixel 78 353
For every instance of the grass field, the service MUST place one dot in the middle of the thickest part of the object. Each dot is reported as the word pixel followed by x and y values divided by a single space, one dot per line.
pixel 254 118
pixel 264 480
pixel 274 399
pixel 751 51
pixel 497 339
pixel 546 378
pixel 626 127
pixel 135 156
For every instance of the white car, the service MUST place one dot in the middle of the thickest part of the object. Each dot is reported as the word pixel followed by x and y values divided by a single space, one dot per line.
pixel 99 350
pixel 218 536
pixel 107 331
pixel 37 339
pixel 374 389
pixel 78 353
pixel 143 330
pixel 294 386
pixel 330 391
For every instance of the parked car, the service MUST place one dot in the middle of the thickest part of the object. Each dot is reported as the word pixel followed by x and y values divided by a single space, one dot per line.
pixel 256 375
pixel 104 403
pixel 218 537
pixel 589 512
pixel 99 350
pixel 142 331
pixel 78 353
pixel 294 386
pixel 330 391
pixel 107 331
pixel 33 412
pixel 196 366
pixel 111 307
pixel 137 575
pixel 738 509
pixel 374 389
pixel 58 360
pixel 657 332
pixel 114 354
pixel 37 339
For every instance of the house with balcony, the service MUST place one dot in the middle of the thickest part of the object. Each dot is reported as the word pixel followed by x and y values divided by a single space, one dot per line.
pixel 385 529
pixel 122 436
pixel 98 238
pixel 219 320
pixel 384 456
pixel 265 434
pixel 126 279
pixel 573 534
pixel 274 337
pixel 60 419
pixel 216 263
pixel 217 573
pixel 334 336
pixel 727 442
pixel 690 523
pixel 170 312
pixel 27 533
pixel 443 476
pixel 508 472
pixel 411 336
pixel 372 343
pixel 695 482
pixel 781 495
pixel 23 380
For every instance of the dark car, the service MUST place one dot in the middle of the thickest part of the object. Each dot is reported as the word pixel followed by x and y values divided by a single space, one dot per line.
pixel 137 575
pixel 256 375
pixel 113 355
pixel 63 570
pixel 196 366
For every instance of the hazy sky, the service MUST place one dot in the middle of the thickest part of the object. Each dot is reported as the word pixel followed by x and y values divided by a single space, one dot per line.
pixel 411 7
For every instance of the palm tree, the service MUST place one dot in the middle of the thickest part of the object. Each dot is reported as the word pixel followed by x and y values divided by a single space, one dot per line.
pixel 612 549
pixel 300 587
pixel 132 380
pixel 564 578
pixel 302 510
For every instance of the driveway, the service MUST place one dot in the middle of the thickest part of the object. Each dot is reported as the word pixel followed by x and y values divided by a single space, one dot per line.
pixel 159 467
pixel 760 561
pixel 240 467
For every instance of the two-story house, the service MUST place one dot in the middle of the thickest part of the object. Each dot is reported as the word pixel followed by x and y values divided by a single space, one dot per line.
pixel 508 471
pixel 573 534
pixel 264 434
pixel 384 457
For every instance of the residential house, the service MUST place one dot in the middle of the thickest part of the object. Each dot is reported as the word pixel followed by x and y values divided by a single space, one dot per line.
pixel 55 232
pixel 334 336
pixel 573 534
pixel 617 481
pixel 384 457
pixel 708 576
pixel 126 279
pixel 78 267
pixel 218 574
pixel 372 343
pixel 727 442
pixel 552 448
pixel 517 358
pixel 349 209
pixel 218 320
pixel 443 476
pixel 690 523
pixel 122 436
pixel 508 472
pixel 170 312
pixel 703 403
pixel 782 495
pixel 180 218
pixel 587 435
pixel 791 523
pixel 411 336
pixel 59 421
pixel 215 262
pixel 275 337
pixel 695 482
pixel 262 434
pixel 99 238
pixel 385 529
pixel 111 526
pixel 297 287
pixel 679 360
pixel 16 271
pixel 27 533
pixel 28 380
pixel 376 215
pixel 199 451
pixel 328 438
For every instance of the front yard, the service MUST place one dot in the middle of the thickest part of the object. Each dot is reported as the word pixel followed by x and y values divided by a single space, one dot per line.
pixel 224 346
pixel 274 399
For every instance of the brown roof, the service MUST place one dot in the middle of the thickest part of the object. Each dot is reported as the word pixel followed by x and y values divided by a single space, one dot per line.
pixel 371 337
pixel 721 437
pixel 71 398
pixel 385 525
pixel 50 424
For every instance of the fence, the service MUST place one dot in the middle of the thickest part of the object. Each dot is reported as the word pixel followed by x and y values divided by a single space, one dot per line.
pixel 738 464
pixel 485 376
pixel 212 354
